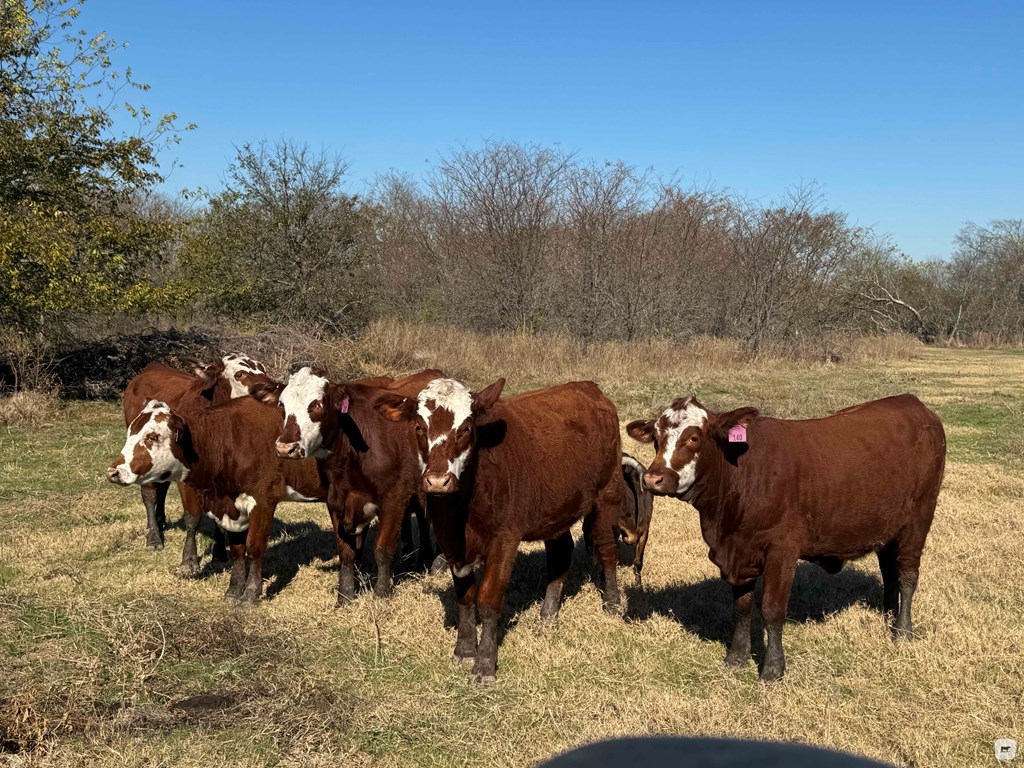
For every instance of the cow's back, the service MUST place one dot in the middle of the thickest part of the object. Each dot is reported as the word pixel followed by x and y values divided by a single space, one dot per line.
pixel 552 449
pixel 155 382
pixel 851 480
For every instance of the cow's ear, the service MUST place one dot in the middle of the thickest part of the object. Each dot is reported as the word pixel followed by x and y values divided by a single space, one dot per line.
pixel 641 431
pixel 337 396
pixel 268 392
pixel 723 422
pixel 395 407
pixel 487 397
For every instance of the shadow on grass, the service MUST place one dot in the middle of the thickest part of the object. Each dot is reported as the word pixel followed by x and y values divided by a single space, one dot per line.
pixel 705 607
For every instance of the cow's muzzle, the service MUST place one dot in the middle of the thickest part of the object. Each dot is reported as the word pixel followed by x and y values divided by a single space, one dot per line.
pixel 114 476
pixel 440 482
pixel 661 481
pixel 289 450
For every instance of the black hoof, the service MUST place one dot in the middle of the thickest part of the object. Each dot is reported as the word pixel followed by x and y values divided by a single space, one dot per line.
pixel 772 672
pixel 736 661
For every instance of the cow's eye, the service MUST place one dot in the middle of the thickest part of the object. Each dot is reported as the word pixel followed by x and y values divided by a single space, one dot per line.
pixel 694 440
pixel 419 428
pixel 152 438
pixel 463 431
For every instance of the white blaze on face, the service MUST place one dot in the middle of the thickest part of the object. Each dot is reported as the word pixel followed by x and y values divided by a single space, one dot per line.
pixel 235 364
pixel 671 425
pixel 445 405
pixel 147 456
pixel 303 389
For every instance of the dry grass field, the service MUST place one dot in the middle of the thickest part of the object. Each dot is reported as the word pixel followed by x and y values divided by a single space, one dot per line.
pixel 108 658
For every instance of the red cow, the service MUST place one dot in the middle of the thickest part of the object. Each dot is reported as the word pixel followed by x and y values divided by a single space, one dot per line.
pixel 226 378
pixel 522 469
pixel 368 463
pixel 224 453
pixel 772 491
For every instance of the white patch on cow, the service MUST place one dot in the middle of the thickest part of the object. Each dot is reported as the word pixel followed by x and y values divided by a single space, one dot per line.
pixel 434 441
pixel 237 363
pixel 423 464
pixel 689 415
pixel 466 569
pixel 245 504
pixel 292 495
pixel 370 511
pixel 446 393
pixel 155 438
pixel 303 389
pixel 456 465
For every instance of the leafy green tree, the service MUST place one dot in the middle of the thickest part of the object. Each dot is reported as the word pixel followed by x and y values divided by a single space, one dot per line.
pixel 282 242
pixel 71 237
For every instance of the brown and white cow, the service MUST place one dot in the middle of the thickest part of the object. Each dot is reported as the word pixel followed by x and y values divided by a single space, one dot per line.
pixel 773 491
pixel 224 379
pixel 501 472
pixel 224 453
pixel 368 462
pixel 637 511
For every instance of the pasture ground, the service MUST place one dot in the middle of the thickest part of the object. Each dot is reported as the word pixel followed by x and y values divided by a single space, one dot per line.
pixel 108 658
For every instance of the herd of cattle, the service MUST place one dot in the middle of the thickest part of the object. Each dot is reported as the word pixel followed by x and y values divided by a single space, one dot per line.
pixel 482 474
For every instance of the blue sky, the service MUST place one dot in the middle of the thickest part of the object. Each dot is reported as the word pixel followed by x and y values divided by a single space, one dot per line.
pixel 911 115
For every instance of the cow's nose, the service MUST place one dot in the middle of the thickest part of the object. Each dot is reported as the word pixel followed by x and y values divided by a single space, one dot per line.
pixel 288 450
pixel 654 481
pixel 439 482
pixel 114 476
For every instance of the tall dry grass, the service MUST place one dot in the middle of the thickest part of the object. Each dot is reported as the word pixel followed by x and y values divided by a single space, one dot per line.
pixel 389 347
pixel 27 408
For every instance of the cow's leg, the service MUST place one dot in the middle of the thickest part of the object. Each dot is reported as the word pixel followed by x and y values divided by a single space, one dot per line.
pixel 908 563
pixel 236 548
pixel 742 610
pixel 426 558
pixel 490 596
pixel 607 507
pixel 778 580
pixel 260 519
pixel 391 516
pixel 192 505
pixel 153 497
pixel 408 543
pixel 559 559
pixel 220 548
pixel 347 552
pixel 465 594
pixel 588 544
pixel 889 566
pixel 638 558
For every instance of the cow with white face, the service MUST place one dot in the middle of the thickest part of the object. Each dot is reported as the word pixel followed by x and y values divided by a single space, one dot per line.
pixel 361 455
pixel 677 436
pixel 304 401
pixel 152 452
pixel 443 416
pixel 224 456
pixel 243 373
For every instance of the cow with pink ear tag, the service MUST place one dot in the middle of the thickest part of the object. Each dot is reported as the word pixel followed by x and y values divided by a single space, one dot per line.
pixel 771 492
pixel 500 472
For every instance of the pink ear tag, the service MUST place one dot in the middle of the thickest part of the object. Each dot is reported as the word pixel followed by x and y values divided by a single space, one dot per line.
pixel 344 405
pixel 738 434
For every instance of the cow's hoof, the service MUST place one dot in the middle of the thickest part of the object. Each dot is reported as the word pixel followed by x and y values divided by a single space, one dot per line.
pixel 233 594
pixel 251 596
pixel 462 661
pixel 154 546
pixel 482 678
pixel 188 570
pixel 383 591
pixel 614 609
pixel 736 660
pixel 770 673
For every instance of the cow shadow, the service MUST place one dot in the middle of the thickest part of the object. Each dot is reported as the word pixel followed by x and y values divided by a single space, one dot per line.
pixel 526 587
pixel 705 607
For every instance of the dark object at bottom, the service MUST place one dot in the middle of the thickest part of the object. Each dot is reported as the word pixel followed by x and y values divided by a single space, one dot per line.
pixel 675 752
